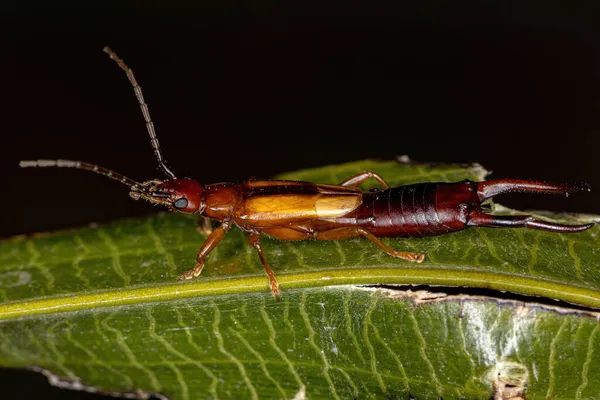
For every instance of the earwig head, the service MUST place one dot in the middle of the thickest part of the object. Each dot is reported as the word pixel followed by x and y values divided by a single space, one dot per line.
pixel 180 195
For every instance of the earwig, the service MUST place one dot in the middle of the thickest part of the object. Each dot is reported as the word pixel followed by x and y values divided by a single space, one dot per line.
pixel 294 210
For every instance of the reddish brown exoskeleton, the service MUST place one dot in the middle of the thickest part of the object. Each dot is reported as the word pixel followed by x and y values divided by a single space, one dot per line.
pixel 292 210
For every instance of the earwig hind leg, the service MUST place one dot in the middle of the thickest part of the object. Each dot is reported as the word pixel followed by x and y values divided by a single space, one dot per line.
pixel 359 179
pixel 524 221
pixel 204 226
pixel 351 231
pixel 209 245
pixel 254 240
pixel 488 189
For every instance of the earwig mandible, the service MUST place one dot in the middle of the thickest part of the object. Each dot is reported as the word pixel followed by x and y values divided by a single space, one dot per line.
pixel 293 210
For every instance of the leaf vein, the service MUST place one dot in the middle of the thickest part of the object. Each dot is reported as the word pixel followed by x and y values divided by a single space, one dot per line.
pixel 190 338
pixel 185 391
pixel 588 360
pixel 349 330
pixel 35 261
pixel 463 341
pixel 221 346
pixel 492 248
pixel 79 271
pixel 115 256
pixel 365 332
pixel 59 358
pixel 273 343
pixel 94 358
pixel 392 353
pixel 533 249
pixel 261 361
pixel 552 360
pixel 160 248
pixel 320 352
pixel 350 381
pixel 434 377
pixel 130 355
pixel 576 259
pixel 171 349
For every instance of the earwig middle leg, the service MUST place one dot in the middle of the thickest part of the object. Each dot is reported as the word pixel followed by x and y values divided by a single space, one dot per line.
pixel 523 221
pixel 209 245
pixel 204 226
pixel 492 188
pixel 359 179
pixel 353 231
pixel 254 240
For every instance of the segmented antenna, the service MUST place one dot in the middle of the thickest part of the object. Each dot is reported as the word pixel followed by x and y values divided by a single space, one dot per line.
pixel 84 166
pixel 149 124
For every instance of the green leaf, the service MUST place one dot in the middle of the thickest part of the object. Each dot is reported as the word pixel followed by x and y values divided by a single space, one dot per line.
pixel 99 309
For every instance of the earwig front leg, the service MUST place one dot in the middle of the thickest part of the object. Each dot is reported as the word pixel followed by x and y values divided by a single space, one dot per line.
pixel 352 231
pixel 209 244
pixel 254 240
pixel 357 180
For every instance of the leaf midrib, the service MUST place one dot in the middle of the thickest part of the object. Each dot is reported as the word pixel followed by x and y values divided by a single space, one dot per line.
pixel 328 277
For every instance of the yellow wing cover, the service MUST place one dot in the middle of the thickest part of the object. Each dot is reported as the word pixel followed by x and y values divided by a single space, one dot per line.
pixel 276 203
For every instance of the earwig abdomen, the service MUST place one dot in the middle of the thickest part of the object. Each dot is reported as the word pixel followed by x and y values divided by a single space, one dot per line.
pixel 422 209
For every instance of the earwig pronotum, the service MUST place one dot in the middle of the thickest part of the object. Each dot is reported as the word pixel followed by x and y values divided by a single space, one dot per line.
pixel 293 210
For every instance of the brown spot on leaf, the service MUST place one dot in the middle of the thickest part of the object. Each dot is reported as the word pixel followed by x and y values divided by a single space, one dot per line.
pixel 510 380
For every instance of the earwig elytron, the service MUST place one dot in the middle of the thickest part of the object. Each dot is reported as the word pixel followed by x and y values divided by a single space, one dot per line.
pixel 293 210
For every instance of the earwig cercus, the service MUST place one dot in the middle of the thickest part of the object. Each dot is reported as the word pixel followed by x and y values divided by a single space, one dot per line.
pixel 293 210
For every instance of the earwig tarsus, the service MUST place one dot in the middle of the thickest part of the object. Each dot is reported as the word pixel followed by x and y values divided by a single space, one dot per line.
pixel 293 210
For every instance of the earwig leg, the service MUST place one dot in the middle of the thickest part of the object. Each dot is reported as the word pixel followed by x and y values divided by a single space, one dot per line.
pixel 524 221
pixel 352 231
pixel 359 179
pixel 254 240
pixel 209 244
pixel 488 189
pixel 204 226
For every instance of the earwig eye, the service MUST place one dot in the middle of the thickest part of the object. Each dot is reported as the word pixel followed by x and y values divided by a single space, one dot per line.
pixel 180 203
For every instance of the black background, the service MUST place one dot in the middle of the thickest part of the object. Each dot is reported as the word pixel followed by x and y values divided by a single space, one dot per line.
pixel 250 89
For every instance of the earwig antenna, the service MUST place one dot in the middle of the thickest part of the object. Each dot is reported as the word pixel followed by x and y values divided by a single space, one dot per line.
pixel 149 124
pixel 87 167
